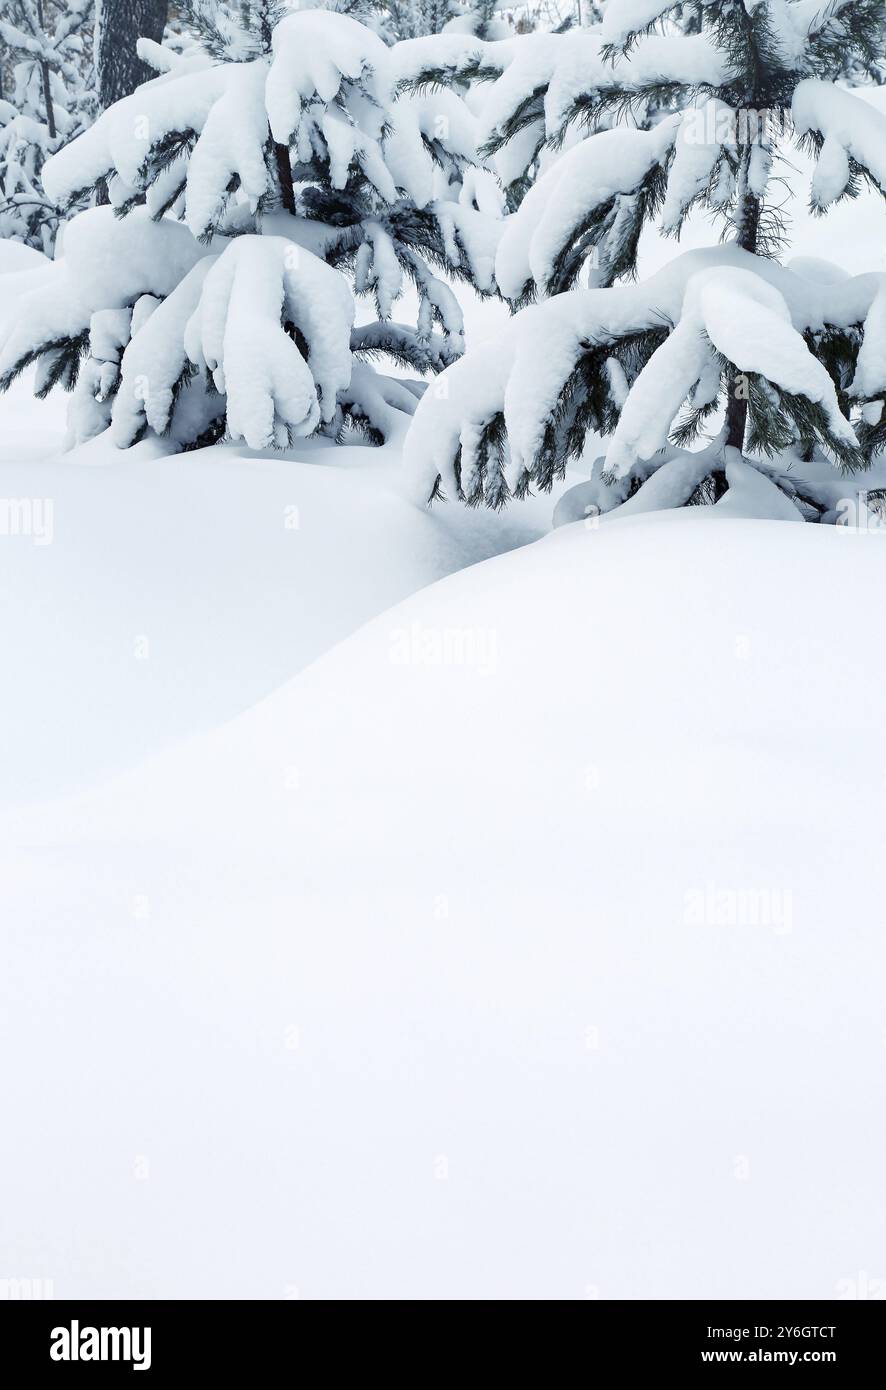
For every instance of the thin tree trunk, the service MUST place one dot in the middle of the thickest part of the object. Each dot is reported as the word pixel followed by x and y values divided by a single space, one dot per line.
pixel 737 407
pixel 47 89
pixel 284 177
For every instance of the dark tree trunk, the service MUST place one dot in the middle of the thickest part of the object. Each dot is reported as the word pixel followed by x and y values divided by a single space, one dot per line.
pixel 737 407
pixel 284 177
pixel 121 23
pixel 44 75
pixel 47 97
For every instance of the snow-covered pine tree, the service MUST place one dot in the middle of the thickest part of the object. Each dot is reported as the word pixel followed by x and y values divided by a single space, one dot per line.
pixel 412 19
pixel 701 119
pixel 524 84
pixel 247 192
pixel 49 96
pixel 482 19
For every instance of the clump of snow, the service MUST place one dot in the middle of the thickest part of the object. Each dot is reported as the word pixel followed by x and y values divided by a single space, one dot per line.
pixel 315 51
pixel 121 137
pixel 155 360
pixel 694 157
pixel 441 117
pixel 625 17
pixel 852 129
pixel 870 372
pixel 231 144
pixel 744 318
pixel 236 332
pixel 559 203
pixel 108 263
pixel 109 260
pixel 472 235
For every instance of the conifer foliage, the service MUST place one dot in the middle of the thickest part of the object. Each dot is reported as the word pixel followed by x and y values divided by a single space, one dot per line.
pixel 49 96
pixel 648 121
pixel 263 175
pixel 284 161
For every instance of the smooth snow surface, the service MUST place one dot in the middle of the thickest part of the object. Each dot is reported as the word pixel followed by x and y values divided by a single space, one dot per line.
pixel 529 944
pixel 176 591
pixel 16 256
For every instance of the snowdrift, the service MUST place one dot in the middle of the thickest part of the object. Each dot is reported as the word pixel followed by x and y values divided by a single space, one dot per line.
pixel 164 595
pixel 529 944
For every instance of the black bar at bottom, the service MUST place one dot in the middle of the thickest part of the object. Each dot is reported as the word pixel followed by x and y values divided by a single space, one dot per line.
pixel 226 1339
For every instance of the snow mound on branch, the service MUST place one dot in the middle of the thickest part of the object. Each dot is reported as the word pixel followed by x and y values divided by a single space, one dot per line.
pixel 554 209
pixel 739 315
pixel 227 316
pixel 154 361
pixel 476 234
pixel 564 66
pixel 236 332
pixel 694 157
pixel 523 372
pixel 449 52
pixel 121 137
pixel 231 143
pixel 870 373
pixel 853 130
pixel 536 58
pixel 444 116
pixel 624 17
pixel 493 1059
pixel 751 492
pixel 110 259
pixel 108 262
pixel 674 58
pixel 314 52
pixel 748 321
